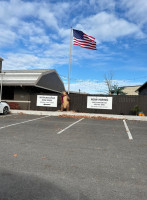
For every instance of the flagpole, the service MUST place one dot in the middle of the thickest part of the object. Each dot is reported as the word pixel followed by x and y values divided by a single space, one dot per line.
pixel 69 61
pixel 1 86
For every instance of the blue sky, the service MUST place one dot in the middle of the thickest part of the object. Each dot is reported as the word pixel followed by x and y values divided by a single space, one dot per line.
pixel 36 35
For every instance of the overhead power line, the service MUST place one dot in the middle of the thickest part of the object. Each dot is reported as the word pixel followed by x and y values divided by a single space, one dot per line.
pixel 95 81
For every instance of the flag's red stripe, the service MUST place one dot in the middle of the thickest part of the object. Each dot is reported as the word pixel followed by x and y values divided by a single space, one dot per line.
pixel 89 36
pixel 87 47
pixel 85 38
pixel 91 41
pixel 84 41
pixel 84 44
pixel 92 46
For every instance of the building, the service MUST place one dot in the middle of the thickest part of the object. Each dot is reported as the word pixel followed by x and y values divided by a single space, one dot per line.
pixel 131 90
pixel 142 90
pixel 19 85
pixel 1 60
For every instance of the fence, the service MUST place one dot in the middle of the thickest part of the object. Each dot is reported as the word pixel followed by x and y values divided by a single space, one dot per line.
pixel 121 105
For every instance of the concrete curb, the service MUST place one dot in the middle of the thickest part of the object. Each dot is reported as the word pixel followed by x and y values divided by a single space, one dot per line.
pixel 84 115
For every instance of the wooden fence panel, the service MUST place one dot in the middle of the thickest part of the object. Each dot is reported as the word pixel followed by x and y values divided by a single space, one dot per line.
pixel 121 104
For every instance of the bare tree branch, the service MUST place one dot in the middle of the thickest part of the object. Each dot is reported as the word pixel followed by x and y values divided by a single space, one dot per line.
pixel 108 80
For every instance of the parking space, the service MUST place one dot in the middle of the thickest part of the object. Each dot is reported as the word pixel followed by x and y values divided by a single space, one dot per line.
pixel 138 128
pixel 54 158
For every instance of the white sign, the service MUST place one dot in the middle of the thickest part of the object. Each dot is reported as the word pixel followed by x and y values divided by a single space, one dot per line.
pixel 95 102
pixel 47 101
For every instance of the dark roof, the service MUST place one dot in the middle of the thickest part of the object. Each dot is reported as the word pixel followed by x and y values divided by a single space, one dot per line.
pixel 46 79
pixel 142 86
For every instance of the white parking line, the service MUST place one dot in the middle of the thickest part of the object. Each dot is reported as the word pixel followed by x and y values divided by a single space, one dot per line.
pixel 69 126
pixel 128 131
pixel 22 122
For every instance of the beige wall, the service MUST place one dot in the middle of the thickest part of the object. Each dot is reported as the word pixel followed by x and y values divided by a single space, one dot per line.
pixel 130 90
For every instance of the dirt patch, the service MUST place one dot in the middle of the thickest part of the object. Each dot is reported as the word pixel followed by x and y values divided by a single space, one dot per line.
pixel 89 117
pixel 21 113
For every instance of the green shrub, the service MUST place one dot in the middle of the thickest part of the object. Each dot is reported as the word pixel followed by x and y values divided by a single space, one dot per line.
pixel 136 110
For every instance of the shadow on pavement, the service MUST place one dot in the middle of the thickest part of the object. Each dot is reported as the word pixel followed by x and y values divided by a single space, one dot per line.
pixel 16 186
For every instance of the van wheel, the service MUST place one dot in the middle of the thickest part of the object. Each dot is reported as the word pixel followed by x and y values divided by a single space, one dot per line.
pixel 5 110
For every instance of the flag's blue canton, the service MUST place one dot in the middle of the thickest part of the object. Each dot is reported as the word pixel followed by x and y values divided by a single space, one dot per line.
pixel 78 34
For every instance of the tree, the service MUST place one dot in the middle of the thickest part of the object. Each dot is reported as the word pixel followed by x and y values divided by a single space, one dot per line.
pixel 108 81
pixel 115 90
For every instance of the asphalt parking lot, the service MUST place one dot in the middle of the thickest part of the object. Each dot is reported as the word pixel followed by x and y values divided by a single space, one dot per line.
pixel 60 158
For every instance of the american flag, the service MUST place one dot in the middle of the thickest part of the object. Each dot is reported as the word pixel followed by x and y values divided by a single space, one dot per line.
pixel 83 40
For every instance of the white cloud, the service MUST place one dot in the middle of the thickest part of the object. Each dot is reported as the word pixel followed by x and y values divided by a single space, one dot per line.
pixel 104 26
pixel 48 17
pixel 107 27
pixel 61 9
pixel 102 5
pixel 95 87
pixel 64 33
pixel 135 10
pixel 39 39
pixel 7 37
pixel 26 61
pixel 30 29
pixel 23 21
pixel 57 50
pixel 92 87
pixel 15 10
